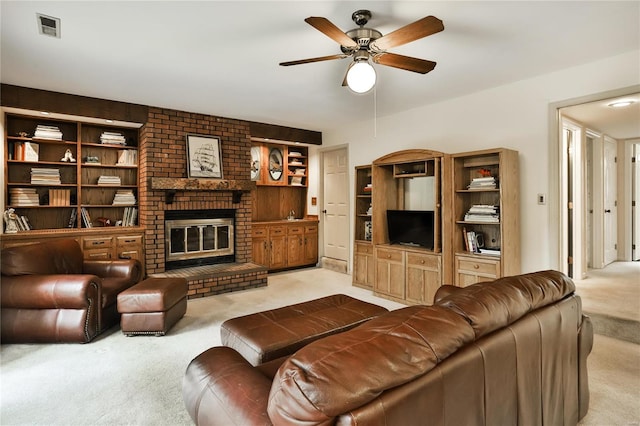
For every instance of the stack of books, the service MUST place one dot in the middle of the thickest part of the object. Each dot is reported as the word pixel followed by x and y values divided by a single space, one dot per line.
pixel 367 188
pixel 483 183
pixel 47 132
pixel 130 216
pixel 21 197
pixel 127 157
pixel 483 213
pixel 124 198
pixel 112 138
pixel 109 180
pixel 25 151
pixel 45 177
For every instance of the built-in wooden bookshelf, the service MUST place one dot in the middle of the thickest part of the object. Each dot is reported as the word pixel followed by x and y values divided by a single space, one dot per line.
pixel 72 170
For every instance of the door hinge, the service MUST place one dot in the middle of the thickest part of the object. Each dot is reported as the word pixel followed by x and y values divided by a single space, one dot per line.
pixel 633 159
pixel 615 203
pixel 570 260
pixel 615 246
pixel 570 206
pixel 633 203
pixel 615 159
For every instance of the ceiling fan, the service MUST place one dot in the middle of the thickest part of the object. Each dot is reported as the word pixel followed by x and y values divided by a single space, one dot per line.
pixel 364 44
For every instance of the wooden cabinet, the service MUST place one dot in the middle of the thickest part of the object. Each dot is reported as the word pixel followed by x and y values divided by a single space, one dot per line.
pixel 423 277
pixel 390 265
pixel 485 212
pixel 285 244
pixel 70 174
pixel 363 264
pixel 407 275
pixel 279 165
pixel 475 269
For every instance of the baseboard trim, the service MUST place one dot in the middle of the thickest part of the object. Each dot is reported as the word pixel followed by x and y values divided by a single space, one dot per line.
pixel 334 264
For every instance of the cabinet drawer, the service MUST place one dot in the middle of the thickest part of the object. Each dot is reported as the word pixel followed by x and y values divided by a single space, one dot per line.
pixel 476 266
pixel 391 255
pixel 277 230
pixel 295 230
pixel 259 231
pixel 96 242
pixel 423 260
pixel 97 254
pixel 129 240
pixel 364 248
pixel 311 229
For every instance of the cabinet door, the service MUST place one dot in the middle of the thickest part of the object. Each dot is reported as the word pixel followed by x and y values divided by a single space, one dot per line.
pixel 278 249
pixel 363 265
pixel 295 250
pixel 310 244
pixel 423 277
pixel 260 245
pixel 390 273
pixel 274 164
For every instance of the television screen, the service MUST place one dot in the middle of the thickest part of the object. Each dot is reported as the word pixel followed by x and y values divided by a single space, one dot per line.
pixel 411 227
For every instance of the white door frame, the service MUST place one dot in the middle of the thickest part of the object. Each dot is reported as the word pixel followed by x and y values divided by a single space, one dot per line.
pixel 557 229
pixel 321 201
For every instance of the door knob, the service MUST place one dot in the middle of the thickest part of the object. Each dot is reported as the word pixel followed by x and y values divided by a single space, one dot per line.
pixel 324 211
pixel 607 211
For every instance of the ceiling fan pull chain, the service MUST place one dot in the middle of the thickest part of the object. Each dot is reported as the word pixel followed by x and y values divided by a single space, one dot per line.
pixel 375 112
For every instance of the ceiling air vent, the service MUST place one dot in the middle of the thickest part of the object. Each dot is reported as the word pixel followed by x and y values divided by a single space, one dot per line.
pixel 48 25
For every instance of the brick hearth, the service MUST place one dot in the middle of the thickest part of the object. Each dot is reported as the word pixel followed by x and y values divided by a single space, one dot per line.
pixel 163 155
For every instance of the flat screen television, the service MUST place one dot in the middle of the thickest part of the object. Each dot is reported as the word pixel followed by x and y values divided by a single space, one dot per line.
pixel 411 227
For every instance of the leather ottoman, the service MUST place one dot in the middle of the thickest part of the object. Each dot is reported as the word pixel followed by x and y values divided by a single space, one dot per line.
pixel 152 306
pixel 265 336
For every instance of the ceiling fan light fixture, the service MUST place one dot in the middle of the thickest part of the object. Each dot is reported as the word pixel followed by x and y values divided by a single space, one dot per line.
pixel 361 77
pixel 621 103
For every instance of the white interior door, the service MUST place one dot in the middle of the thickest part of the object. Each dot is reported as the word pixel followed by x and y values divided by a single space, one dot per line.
pixel 336 204
pixel 610 177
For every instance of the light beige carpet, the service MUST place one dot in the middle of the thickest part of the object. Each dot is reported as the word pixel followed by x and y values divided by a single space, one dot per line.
pixel 118 380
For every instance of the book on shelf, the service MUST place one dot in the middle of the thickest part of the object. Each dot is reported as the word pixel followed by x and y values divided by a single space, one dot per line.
pixel 59 197
pixel 129 217
pixel 487 182
pixel 23 197
pixel 124 197
pixel 127 157
pixel 31 151
pixel 72 218
pixel 109 180
pixel 112 138
pixel 296 181
pixel 86 219
pixel 490 251
pixel 483 213
pixel 45 176
pixel 47 132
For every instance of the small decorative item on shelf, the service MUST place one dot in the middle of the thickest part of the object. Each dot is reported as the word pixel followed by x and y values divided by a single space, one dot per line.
pixel 68 157
pixel 10 221
pixel 367 188
pixel 103 221
pixel 370 210
pixel 367 230
pixel 91 159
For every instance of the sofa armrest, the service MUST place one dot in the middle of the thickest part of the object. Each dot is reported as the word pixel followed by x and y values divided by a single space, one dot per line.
pixel 50 291
pixel 129 269
pixel 220 387
pixel 585 344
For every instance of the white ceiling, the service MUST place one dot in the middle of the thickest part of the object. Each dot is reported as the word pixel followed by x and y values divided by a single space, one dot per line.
pixel 221 57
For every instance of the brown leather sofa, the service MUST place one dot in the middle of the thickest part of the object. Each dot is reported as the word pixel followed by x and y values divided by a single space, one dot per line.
pixel 49 293
pixel 509 352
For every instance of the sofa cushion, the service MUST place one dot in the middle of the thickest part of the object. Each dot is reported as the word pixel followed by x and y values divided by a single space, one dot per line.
pixel 51 257
pixel 341 372
pixel 490 306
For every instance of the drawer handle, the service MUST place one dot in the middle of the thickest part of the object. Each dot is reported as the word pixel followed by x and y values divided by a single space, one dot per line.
pixel 97 243
pixel 124 256
pixel 476 266
pixel 388 256
pixel 422 261
pixel 129 241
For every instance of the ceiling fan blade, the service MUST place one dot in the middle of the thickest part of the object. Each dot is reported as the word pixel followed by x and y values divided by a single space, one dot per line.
pixel 419 29
pixel 310 60
pixel 344 80
pixel 408 63
pixel 330 30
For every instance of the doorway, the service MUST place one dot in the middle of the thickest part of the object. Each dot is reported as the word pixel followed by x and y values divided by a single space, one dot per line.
pixel 335 209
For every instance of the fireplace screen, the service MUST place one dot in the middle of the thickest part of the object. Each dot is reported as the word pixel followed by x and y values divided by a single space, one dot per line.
pixel 198 238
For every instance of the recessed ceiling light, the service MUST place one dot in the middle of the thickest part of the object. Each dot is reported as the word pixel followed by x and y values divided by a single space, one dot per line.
pixel 44 113
pixel 108 121
pixel 621 103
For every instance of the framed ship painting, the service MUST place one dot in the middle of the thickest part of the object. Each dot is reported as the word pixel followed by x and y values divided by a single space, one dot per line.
pixel 204 157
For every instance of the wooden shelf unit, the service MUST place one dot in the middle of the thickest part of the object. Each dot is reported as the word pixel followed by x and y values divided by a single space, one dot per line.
pixel 363 265
pixel 503 235
pixel 82 140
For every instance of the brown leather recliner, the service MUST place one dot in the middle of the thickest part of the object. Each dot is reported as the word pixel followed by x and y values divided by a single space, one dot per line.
pixel 50 293
pixel 510 352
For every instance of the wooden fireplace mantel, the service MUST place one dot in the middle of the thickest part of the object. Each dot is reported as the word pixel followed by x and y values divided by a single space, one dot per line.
pixel 172 185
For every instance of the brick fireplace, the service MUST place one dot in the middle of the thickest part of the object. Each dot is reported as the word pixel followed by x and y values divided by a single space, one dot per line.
pixel 163 159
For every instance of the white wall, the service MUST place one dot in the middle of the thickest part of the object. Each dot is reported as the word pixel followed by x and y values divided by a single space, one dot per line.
pixel 513 116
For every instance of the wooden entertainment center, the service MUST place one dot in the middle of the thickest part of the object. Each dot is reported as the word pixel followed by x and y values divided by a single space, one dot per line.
pixel 476 233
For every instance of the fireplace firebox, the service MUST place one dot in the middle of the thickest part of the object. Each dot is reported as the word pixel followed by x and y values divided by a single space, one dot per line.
pixel 199 237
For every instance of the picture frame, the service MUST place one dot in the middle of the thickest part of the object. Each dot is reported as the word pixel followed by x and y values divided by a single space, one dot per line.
pixel 204 157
